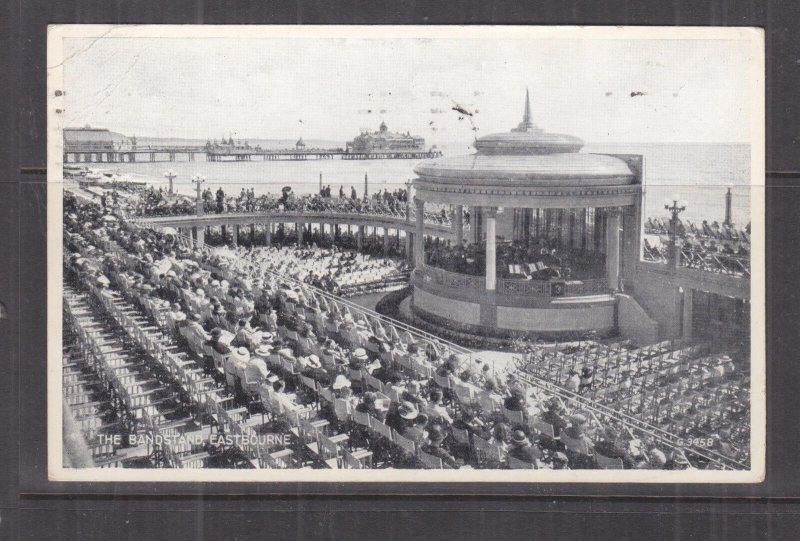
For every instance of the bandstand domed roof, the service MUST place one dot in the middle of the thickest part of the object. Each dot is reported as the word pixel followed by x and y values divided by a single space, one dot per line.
pixel 528 156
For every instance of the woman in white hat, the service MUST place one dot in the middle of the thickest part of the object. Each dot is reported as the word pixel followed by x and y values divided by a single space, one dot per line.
pixel 358 359
pixel 341 387
pixel 235 366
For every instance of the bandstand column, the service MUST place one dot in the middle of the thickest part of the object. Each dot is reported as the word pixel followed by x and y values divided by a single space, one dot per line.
pixel 385 242
pixel 491 249
pixel 201 236
pixel 459 224
pixel 268 233
pixel 419 234
pixel 236 235
pixel 613 220
pixel 360 238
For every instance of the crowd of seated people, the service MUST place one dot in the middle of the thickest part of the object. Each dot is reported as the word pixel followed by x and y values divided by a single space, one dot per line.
pixel 417 388
pixel 711 247
pixel 680 387
pixel 157 202
pixel 340 272
pixel 539 259
pixel 332 264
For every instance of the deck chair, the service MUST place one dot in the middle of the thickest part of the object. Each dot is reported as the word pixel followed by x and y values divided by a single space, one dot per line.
pixel 357 459
pixel 517 464
pixel 441 381
pixel 430 461
pixel 342 408
pixel 606 463
pixel 577 446
pixel 543 428
pixel 362 418
pixel 382 429
pixel 513 416
pixel 407 445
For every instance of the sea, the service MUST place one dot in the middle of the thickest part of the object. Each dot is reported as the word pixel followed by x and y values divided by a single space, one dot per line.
pixel 697 173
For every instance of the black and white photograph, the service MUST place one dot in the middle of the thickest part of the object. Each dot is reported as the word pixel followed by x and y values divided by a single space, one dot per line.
pixel 422 253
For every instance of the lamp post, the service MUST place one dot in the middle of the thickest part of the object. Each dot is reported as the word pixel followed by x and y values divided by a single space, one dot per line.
pixel 198 180
pixel 170 175
pixel 675 208
pixel 728 204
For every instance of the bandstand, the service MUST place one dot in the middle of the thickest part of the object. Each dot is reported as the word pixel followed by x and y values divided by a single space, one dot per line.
pixel 553 235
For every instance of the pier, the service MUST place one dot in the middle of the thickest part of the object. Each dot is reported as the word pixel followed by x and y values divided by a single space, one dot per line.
pixel 87 153
pixel 90 154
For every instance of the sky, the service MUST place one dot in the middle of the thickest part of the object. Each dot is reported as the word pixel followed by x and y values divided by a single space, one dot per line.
pixel 684 90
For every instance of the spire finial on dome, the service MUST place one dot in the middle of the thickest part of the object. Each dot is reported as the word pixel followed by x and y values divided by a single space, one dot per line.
pixel 526 124
pixel 526 118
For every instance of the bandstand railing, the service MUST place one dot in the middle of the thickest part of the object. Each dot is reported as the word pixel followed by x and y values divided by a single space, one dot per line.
pixel 510 286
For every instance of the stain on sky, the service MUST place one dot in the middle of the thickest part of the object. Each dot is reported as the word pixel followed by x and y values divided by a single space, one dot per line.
pixel 638 93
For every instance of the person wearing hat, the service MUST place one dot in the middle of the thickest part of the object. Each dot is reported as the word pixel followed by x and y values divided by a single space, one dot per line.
pixel 577 431
pixel 214 342
pixel 554 414
pixel 341 387
pixel 517 400
pixel 235 366
pixel 435 446
pixel 522 448
pixel 358 359
pixel 403 417
pixel 587 378
pixel 176 317
pixel 256 371
pixel 195 328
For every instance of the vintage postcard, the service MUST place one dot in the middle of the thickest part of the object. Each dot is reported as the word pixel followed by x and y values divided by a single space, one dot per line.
pixel 417 254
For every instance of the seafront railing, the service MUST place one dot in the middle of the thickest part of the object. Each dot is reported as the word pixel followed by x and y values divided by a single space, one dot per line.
pixel 716 262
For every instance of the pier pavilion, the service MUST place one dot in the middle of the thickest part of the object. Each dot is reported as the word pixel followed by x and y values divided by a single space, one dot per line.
pixel 532 195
